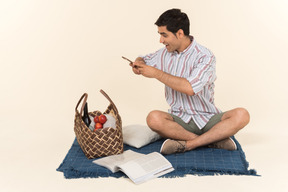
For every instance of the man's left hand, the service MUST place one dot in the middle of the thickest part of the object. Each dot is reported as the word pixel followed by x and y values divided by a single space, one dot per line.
pixel 146 70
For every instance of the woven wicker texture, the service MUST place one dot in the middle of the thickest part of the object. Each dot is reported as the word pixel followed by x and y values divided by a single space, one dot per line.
pixel 102 142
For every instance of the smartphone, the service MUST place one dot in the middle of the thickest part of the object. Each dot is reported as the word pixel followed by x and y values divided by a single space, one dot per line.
pixel 127 59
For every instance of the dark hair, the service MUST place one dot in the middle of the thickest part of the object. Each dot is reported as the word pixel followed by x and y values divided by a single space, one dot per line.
pixel 174 20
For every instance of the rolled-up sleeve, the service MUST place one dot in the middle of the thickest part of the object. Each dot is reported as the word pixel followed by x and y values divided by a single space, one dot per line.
pixel 203 73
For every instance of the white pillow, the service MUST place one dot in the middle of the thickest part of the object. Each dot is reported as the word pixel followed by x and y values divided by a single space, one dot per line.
pixel 139 135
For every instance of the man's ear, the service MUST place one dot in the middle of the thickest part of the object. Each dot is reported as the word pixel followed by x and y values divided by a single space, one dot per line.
pixel 180 34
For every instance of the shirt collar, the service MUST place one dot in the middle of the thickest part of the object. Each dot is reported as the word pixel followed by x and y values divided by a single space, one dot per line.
pixel 188 48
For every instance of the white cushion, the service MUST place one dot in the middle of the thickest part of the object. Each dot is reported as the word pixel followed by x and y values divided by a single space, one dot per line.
pixel 139 135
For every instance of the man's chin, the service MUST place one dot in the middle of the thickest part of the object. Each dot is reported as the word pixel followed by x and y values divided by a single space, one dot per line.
pixel 169 50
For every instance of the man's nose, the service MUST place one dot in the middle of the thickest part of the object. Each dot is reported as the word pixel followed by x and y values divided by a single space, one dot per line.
pixel 161 39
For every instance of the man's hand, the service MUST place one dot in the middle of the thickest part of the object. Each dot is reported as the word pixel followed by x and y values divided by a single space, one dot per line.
pixel 135 68
pixel 139 67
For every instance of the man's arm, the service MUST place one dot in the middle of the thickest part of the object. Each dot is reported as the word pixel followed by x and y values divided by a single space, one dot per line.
pixel 177 83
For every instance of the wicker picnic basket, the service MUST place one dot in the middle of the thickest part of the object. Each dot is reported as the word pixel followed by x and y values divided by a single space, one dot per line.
pixel 103 142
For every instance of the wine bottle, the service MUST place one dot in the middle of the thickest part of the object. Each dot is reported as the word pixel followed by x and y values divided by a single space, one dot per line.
pixel 86 117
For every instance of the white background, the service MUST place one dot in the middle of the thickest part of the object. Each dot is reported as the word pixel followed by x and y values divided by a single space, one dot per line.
pixel 52 51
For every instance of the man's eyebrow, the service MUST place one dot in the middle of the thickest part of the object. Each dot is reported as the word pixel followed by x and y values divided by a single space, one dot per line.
pixel 162 33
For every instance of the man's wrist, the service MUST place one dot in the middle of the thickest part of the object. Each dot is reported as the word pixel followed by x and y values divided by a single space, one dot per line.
pixel 160 74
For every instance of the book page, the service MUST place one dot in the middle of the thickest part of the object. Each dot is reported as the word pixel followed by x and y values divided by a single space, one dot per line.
pixel 147 167
pixel 112 162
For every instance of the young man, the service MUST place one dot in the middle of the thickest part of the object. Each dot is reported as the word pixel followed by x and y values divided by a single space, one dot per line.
pixel 188 71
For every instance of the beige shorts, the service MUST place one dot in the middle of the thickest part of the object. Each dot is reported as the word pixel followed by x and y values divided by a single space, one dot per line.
pixel 192 127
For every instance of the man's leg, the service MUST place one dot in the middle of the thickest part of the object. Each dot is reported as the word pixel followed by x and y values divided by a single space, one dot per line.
pixel 231 122
pixel 163 123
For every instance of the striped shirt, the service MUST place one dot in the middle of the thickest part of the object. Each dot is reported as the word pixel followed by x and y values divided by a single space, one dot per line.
pixel 197 64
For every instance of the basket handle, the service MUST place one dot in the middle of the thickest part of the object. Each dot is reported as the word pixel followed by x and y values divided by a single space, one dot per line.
pixel 107 97
pixel 84 96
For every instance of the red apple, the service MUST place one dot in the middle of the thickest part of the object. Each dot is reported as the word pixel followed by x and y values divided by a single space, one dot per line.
pixel 102 119
pixel 96 119
pixel 98 126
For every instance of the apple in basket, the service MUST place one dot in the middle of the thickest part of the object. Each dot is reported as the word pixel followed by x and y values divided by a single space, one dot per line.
pixel 98 126
pixel 96 119
pixel 100 119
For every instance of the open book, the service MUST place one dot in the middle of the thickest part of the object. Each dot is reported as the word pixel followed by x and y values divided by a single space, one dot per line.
pixel 137 166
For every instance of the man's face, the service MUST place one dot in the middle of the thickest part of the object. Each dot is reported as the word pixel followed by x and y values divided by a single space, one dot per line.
pixel 168 38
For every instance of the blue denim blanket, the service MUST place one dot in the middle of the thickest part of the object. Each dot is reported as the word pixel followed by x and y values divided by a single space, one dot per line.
pixel 201 161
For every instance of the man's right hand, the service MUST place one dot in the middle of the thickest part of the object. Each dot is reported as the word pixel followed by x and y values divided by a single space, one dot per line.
pixel 139 60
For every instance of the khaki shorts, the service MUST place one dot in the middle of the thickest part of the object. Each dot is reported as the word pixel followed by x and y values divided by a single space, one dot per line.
pixel 192 127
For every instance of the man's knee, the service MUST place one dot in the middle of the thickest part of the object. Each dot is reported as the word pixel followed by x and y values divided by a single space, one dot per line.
pixel 242 117
pixel 154 119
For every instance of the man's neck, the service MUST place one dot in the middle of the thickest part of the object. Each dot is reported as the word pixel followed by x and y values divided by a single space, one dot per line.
pixel 186 42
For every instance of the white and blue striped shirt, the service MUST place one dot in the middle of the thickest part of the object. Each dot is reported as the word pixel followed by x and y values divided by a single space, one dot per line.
pixel 197 64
